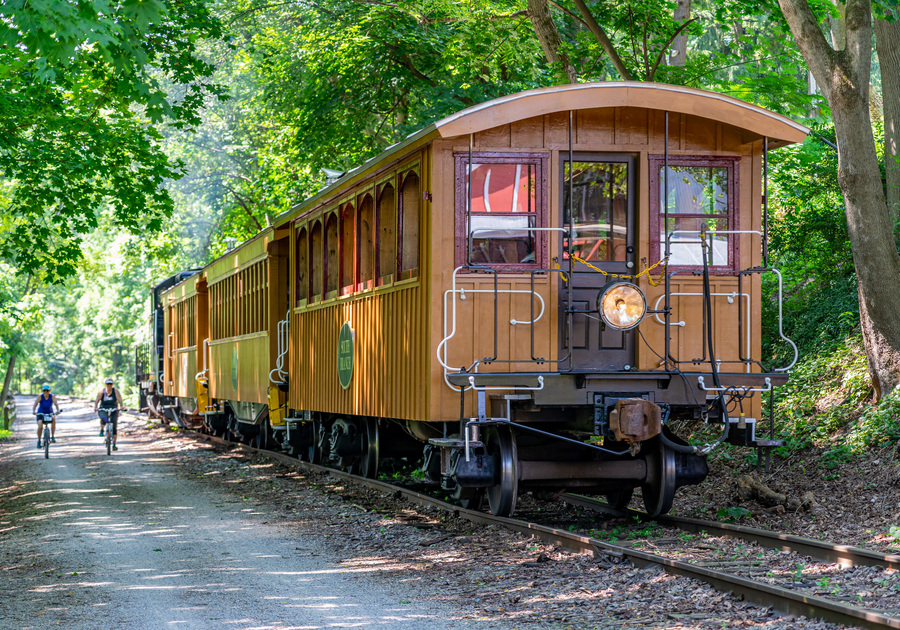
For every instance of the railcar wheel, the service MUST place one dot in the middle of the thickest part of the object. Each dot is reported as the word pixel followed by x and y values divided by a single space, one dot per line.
pixel 318 445
pixel 501 443
pixel 658 490
pixel 344 440
pixel 620 498
pixel 368 463
pixel 262 439
pixel 469 498
pixel 304 443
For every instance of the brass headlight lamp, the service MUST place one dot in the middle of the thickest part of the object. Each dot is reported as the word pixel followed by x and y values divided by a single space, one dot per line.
pixel 622 305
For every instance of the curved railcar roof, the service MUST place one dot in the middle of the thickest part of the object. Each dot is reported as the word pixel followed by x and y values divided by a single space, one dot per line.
pixel 561 98
pixel 658 96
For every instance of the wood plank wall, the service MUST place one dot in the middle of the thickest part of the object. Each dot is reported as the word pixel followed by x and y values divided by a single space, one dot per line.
pixel 388 362
pixel 390 320
pixel 181 334
pixel 639 132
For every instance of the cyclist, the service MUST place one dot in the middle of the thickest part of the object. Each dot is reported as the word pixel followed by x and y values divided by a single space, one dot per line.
pixel 45 404
pixel 109 399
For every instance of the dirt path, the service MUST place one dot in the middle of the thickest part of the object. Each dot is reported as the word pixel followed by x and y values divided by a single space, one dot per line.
pixel 90 541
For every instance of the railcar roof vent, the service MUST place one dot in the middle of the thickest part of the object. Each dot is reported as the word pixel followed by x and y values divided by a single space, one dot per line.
pixel 331 176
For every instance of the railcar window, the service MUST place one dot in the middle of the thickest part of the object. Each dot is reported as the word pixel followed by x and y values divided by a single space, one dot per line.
pixel 366 224
pixel 191 322
pixel 331 254
pixel 702 192
pixel 505 204
pixel 409 217
pixel 599 213
pixel 316 261
pixel 386 220
pixel 254 299
pixel 302 266
pixel 240 304
pixel 348 247
pixel 264 295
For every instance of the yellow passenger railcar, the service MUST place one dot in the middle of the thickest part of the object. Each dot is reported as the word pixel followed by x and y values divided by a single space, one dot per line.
pixel 532 289
pixel 186 321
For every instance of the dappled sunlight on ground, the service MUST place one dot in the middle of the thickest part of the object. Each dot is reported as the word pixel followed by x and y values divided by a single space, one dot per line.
pixel 132 537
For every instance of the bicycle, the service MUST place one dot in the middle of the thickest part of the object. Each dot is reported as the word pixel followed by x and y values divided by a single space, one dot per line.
pixel 47 420
pixel 109 425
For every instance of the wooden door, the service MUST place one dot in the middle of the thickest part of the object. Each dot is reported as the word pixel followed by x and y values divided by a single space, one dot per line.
pixel 600 220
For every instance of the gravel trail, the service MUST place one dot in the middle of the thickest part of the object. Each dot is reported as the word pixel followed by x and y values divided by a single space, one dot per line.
pixel 127 541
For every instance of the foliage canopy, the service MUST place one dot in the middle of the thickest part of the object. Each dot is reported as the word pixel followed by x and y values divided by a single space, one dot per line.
pixel 81 109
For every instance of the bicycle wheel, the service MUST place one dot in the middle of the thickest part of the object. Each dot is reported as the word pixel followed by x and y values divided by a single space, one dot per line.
pixel 108 440
pixel 46 442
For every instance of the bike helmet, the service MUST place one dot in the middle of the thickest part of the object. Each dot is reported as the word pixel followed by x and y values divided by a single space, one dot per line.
pixel 45 388
pixel 109 381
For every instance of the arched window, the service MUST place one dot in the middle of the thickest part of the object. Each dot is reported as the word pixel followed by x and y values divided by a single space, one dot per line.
pixel 348 248
pixel 302 265
pixel 409 211
pixel 387 235
pixel 332 267
pixel 366 239
pixel 316 261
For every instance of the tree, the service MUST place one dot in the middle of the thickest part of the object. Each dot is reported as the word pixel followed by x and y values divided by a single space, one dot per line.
pixel 340 81
pixel 679 45
pixel 19 309
pixel 887 44
pixel 81 108
pixel 843 75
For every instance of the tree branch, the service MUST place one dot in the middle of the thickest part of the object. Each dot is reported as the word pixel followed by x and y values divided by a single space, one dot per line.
pixel 604 41
pixel 405 61
pixel 819 54
pixel 548 38
pixel 665 47
pixel 244 205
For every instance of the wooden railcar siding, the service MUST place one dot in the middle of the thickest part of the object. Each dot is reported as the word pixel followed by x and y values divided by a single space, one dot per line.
pixel 185 368
pixel 390 318
pixel 636 131
pixel 239 323
pixel 239 296
pixel 389 356
pixel 239 368
pixel 181 327
pixel 476 313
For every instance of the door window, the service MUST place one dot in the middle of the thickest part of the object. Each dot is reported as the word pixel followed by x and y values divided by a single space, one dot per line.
pixel 598 214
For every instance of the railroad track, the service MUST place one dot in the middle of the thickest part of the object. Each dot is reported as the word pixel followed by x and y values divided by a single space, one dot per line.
pixel 782 600
pixel 843 555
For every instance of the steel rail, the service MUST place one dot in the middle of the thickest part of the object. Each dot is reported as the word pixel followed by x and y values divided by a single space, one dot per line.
pixel 782 600
pixel 844 555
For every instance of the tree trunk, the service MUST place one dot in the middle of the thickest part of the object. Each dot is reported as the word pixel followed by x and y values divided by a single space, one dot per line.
pixel 5 392
pixel 548 36
pixel 887 44
pixel 678 50
pixel 844 78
